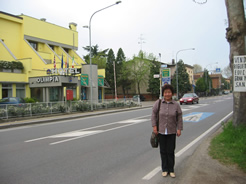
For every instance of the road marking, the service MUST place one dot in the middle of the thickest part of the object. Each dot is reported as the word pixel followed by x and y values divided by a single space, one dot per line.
pixel 192 117
pixel 152 173
pixel 178 154
pixel 85 132
pixel 196 116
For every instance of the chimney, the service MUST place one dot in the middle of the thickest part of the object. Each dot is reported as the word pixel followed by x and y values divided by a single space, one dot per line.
pixel 43 19
pixel 173 61
pixel 73 26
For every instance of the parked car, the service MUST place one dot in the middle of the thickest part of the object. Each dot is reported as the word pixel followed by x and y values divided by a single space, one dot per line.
pixel 189 98
pixel 12 100
pixel 135 98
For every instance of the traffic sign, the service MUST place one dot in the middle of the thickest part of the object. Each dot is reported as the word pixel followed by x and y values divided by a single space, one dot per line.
pixel 166 80
pixel 217 70
pixel 156 76
pixel 166 72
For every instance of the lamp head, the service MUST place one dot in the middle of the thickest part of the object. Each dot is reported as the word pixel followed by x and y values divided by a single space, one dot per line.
pixel 118 2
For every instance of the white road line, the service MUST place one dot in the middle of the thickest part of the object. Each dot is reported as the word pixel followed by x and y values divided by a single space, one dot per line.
pixel 152 173
pixel 158 169
pixel 66 140
pixel 99 126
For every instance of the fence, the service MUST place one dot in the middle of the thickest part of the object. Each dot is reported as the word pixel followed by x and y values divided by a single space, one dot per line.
pixel 45 108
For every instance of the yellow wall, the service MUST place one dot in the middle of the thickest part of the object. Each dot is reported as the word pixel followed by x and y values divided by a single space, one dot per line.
pixel 47 31
pixel 190 72
pixel 5 55
pixel 10 32
pixel 101 72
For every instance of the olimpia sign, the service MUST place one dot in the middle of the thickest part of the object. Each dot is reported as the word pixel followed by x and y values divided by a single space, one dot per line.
pixel 63 71
pixel 47 79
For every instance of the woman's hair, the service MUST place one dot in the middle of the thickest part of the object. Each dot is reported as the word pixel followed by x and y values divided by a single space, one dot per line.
pixel 167 86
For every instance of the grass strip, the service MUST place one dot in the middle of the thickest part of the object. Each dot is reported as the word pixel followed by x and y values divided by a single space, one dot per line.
pixel 229 147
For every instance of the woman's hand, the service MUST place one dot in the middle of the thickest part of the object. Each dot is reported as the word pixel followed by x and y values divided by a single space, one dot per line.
pixel 178 133
pixel 155 130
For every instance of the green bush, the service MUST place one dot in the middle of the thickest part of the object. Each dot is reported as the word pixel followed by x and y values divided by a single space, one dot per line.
pixel 30 100
pixel 82 106
pixel 11 65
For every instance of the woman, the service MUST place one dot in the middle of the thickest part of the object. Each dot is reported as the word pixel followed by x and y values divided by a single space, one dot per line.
pixel 170 125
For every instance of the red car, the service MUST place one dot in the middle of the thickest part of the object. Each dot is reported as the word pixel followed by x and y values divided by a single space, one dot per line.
pixel 189 98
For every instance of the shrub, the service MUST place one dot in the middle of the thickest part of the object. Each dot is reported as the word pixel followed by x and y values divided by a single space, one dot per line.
pixel 30 100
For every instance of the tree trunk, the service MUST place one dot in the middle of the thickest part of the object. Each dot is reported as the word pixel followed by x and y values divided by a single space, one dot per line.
pixel 235 35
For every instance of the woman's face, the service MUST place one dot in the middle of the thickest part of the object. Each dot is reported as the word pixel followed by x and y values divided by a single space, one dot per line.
pixel 167 95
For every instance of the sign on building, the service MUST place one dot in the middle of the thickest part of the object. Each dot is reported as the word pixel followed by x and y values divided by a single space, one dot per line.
pixel 100 80
pixel 239 78
pixel 84 80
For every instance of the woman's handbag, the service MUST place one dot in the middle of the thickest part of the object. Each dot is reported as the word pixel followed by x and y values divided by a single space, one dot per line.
pixel 154 139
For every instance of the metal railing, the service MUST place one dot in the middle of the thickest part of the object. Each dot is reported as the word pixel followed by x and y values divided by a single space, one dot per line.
pixel 46 108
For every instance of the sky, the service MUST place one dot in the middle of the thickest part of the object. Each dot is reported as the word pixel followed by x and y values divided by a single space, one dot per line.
pixel 160 27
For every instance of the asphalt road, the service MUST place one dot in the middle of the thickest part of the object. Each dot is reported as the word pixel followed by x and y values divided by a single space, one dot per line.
pixel 103 149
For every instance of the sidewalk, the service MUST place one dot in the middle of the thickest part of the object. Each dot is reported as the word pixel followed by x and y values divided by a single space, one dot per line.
pixel 201 168
pixel 22 121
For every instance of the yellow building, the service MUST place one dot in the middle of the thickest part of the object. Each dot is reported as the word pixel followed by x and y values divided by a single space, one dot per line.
pixel 48 54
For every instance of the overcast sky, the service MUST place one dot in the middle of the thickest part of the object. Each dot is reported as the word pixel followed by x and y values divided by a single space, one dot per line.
pixel 163 26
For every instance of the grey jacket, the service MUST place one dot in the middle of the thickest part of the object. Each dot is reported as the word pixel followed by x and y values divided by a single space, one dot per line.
pixel 170 117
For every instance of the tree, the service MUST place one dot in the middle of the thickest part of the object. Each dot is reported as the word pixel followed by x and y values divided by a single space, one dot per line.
pixel 139 68
pixel 225 85
pixel 94 52
pixel 99 61
pixel 122 71
pixel 125 80
pixel 118 65
pixel 207 81
pixel 197 68
pixel 235 35
pixel 110 69
pixel 227 71
pixel 154 83
pixel 200 85
pixel 183 79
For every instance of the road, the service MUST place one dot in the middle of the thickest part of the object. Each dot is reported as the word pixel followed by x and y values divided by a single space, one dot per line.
pixel 105 149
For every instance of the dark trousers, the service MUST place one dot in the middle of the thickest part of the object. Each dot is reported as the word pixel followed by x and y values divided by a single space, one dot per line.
pixel 167 147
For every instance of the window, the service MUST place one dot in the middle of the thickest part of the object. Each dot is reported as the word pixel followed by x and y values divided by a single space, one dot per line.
pixel 67 50
pixel 52 47
pixel 20 90
pixel 34 45
pixel 7 90
pixel 54 94
pixel 37 93
pixel 74 93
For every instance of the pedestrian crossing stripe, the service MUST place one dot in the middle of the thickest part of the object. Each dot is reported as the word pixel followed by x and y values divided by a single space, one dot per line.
pixel 196 116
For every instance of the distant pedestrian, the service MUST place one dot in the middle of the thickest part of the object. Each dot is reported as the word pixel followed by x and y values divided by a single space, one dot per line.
pixel 170 125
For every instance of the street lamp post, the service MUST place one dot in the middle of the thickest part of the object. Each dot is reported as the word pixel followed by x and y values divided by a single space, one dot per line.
pixel 177 69
pixel 90 49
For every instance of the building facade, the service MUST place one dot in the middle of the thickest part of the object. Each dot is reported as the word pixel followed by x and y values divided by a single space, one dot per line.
pixel 48 54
